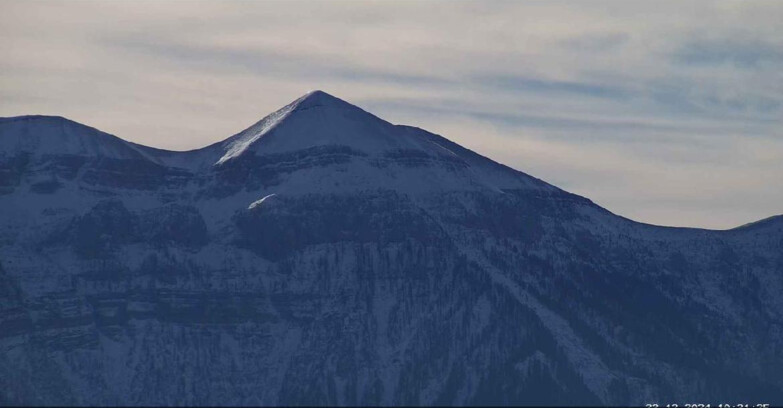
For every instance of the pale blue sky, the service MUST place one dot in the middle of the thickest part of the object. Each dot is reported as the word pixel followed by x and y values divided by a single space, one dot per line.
pixel 665 112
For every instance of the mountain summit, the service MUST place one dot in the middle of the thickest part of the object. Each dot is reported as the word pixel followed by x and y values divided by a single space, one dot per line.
pixel 324 256
pixel 319 98
pixel 315 119
pixel 367 151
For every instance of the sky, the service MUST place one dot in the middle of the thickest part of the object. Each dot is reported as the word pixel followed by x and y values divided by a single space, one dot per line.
pixel 665 112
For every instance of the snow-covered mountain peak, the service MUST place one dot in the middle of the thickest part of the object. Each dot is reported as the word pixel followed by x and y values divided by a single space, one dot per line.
pixel 315 119
pixel 295 144
pixel 318 98
pixel 39 135
pixel 364 151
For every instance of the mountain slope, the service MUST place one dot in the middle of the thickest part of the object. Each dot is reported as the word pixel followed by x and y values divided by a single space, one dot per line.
pixel 325 256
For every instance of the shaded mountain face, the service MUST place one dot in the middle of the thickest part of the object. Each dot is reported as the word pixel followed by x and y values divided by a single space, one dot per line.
pixel 325 256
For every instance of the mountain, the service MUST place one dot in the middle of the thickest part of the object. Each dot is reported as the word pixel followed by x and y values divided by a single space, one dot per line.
pixel 324 256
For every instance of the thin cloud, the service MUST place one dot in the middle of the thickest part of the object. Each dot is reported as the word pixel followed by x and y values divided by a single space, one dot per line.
pixel 743 53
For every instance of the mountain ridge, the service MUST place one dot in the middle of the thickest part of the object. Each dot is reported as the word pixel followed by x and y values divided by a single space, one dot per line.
pixel 233 146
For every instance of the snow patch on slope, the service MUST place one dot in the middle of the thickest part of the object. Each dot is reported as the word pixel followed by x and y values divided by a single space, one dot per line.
pixel 256 203
pixel 240 143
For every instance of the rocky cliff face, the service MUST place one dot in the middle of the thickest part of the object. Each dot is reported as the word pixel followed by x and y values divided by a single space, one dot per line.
pixel 325 256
